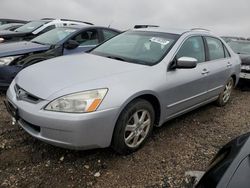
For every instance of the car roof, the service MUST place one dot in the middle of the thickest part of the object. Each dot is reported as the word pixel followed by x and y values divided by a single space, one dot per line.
pixel 78 27
pixel 13 20
pixel 67 20
pixel 173 30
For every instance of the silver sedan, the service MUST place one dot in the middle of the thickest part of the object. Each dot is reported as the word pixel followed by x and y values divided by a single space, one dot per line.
pixel 116 94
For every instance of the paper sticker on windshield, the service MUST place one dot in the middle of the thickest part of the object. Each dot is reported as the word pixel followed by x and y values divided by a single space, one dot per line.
pixel 159 40
pixel 70 30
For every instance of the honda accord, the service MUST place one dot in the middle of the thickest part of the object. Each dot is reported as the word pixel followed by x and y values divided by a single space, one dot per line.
pixel 116 94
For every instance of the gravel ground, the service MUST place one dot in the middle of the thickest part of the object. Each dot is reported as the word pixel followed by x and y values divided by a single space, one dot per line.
pixel 186 143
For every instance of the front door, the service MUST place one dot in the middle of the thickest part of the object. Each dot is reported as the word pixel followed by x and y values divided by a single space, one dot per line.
pixel 87 40
pixel 187 87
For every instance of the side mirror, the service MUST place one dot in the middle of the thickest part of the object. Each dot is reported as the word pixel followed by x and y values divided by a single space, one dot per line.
pixel 71 44
pixel 185 63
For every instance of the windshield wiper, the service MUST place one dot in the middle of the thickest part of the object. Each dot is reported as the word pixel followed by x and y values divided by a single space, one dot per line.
pixel 36 42
pixel 116 58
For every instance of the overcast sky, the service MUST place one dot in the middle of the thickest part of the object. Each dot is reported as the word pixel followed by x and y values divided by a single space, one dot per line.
pixel 225 17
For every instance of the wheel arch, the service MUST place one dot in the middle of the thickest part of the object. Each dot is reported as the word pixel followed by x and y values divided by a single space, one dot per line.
pixel 151 97
pixel 234 79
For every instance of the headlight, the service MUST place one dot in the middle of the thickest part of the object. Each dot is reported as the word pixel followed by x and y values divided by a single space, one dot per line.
pixel 81 102
pixel 245 67
pixel 1 40
pixel 7 60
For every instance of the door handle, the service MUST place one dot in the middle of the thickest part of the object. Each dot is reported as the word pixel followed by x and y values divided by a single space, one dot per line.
pixel 229 65
pixel 205 72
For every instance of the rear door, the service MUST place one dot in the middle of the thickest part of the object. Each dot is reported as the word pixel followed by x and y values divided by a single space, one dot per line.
pixel 219 65
pixel 188 87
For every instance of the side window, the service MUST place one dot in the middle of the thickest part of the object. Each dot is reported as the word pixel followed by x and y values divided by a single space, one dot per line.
pixel 48 29
pixel 193 47
pixel 107 34
pixel 86 38
pixel 215 48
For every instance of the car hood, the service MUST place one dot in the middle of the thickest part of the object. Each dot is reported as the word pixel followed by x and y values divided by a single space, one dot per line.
pixel 245 59
pixel 18 48
pixel 46 78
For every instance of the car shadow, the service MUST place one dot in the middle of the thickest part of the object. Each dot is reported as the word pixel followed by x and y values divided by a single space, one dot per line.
pixel 53 153
pixel 244 85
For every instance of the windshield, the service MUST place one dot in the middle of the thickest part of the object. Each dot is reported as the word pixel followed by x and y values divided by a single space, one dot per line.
pixel 240 47
pixel 5 26
pixel 31 26
pixel 54 36
pixel 137 47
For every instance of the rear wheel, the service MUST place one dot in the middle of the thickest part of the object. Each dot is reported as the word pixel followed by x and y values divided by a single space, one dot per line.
pixel 133 127
pixel 224 97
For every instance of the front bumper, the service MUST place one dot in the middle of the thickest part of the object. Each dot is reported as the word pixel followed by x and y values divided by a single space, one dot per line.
pixel 244 75
pixel 245 72
pixel 72 131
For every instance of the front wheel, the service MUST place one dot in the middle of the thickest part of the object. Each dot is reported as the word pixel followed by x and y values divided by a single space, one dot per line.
pixel 133 127
pixel 225 96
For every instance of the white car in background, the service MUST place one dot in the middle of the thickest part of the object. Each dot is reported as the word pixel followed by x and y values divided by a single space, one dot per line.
pixel 37 27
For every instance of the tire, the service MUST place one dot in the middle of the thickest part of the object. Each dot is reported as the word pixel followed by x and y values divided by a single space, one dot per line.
pixel 133 127
pixel 225 95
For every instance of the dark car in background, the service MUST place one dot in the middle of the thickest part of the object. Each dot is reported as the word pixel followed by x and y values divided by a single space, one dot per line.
pixel 242 47
pixel 229 38
pixel 15 56
pixel 35 28
pixel 7 21
pixel 10 26
pixel 230 168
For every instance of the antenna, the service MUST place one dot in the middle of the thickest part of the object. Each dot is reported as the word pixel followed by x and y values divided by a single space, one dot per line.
pixel 110 23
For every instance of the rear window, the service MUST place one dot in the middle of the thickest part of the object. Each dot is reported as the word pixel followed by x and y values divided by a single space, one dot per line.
pixel 215 48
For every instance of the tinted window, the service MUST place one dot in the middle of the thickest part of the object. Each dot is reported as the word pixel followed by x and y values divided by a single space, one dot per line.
pixel 107 34
pixel 139 47
pixel 192 47
pixel 86 38
pixel 215 48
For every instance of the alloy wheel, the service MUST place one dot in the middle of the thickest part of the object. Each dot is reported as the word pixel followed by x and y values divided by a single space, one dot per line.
pixel 137 128
pixel 227 91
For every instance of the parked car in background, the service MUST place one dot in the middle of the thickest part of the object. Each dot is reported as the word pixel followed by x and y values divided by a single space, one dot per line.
pixel 15 56
pixel 36 28
pixel 230 167
pixel 228 38
pixel 114 95
pixel 10 26
pixel 7 21
pixel 242 47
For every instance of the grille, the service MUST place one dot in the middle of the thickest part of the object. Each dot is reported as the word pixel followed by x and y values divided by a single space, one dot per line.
pixel 21 94
pixel 245 71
